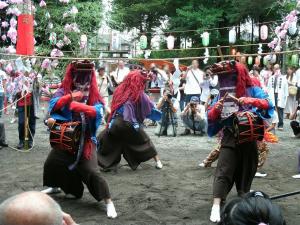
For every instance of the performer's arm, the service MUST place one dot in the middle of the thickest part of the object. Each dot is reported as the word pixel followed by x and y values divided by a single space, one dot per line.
pixel 258 103
pixel 66 99
pixel 215 111
pixel 90 111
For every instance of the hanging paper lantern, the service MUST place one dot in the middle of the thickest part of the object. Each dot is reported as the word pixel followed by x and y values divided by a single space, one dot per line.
pixel 170 42
pixel 264 32
pixel 293 28
pixel 205 39
pixel 257 61
pixel 250 60
pixel 232 36
pixel 295 60
pixel 143 42
pixel 265 60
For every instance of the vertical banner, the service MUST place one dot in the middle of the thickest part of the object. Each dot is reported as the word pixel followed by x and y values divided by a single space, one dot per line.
pixel 25 41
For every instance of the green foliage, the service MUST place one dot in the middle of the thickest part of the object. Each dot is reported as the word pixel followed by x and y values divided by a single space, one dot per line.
pixel 88 20
pixel 200 15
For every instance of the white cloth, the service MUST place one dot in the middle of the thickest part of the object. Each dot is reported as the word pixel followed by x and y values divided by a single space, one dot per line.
pixel 211 82
pixel 120 74
pixel 281 88
pixel 192 87
pixel 3 77
pixel 297 78
pixel 103 85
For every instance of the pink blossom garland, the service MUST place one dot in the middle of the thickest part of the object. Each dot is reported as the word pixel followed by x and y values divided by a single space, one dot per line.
pixel 42 4
pixel 56 53
pixel 3 5
pixel 282 30
pixel 46 64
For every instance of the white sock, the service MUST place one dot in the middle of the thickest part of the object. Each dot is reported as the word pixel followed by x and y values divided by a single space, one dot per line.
pixel 51 190
pixel 159 165
pixel 215 214
pixel 111 211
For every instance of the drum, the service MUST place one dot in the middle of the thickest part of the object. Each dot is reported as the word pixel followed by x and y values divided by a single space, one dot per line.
pixel 248 127
pixel 66 136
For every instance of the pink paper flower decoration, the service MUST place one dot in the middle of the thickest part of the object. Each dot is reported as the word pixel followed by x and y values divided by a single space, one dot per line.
pixel 10 49
pixel 12 34
pixel 4 24
pixel 64 1
pixel 54 63
pixel 43 4
pixel 67 40
pixel 46 64
pixel 9 68
pixel 3 5
pixel 68 28
pixel 60 44
pixel 13 22
pixel 73 10
pixel 56 53
pixel 3 37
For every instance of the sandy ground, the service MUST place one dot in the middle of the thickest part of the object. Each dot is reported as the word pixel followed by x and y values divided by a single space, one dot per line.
pixel 180 193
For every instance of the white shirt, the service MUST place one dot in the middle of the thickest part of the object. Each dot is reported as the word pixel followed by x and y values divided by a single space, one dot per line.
pixel 192 87
pixel 211 82
pixel 103 85
pixel 120 74
pixel 297 78
pixel 3 77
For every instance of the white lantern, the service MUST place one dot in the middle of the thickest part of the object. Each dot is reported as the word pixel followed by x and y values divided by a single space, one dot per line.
pixel 232 36
pixel 264 32
pixel 143 42
pixel 170 42
pixel 293 28
pixel 205 39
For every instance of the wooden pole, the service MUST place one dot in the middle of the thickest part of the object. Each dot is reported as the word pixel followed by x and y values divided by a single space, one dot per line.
pixel 26 147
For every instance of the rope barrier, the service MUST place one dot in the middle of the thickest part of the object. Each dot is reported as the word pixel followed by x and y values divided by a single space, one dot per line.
pixel 155 59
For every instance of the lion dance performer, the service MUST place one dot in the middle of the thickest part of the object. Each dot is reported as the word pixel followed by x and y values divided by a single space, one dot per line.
pixel 75 114
pixel 125 134
pixel 239 113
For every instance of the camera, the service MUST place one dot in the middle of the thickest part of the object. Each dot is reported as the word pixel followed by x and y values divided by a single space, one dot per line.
pixel 298 107
pixel 169 96
pixel 153 69
pixel 207 75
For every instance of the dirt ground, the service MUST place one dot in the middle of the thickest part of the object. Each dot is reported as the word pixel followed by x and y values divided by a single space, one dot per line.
pixel 180 193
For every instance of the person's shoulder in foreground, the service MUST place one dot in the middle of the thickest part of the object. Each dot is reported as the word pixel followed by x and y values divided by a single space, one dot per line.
pixel 256 208
pixel 33 208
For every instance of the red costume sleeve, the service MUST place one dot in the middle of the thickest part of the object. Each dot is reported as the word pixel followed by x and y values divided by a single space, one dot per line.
pixel 62 102
pixel 90 111
pixel 214 113
pixel 259 103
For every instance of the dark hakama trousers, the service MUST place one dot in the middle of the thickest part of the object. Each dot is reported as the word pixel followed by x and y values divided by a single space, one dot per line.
pixel 122 139
pixel 237 165
pixel 57 174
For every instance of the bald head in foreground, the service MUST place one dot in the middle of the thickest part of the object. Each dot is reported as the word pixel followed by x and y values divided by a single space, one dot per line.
pixel 33 208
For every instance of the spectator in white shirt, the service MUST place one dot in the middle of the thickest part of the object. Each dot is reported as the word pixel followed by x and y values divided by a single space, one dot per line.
pixel 209 81
pixel 103 84
pixel 278 92
pixel 194 81
pixel 120 73
pixel 297 80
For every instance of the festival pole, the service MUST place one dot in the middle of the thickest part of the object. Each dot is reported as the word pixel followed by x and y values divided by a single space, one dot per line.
pixel 26 123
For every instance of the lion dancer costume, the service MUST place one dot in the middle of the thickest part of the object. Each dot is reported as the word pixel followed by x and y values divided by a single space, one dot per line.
pixel 125 135
pixel 239 100
pixel 69 166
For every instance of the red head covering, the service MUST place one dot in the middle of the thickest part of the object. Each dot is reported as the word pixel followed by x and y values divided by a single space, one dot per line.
pixel 243 80
pixel 130 89
pixel 67 85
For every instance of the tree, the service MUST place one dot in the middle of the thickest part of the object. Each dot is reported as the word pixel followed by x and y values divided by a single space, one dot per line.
pixel 88 19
